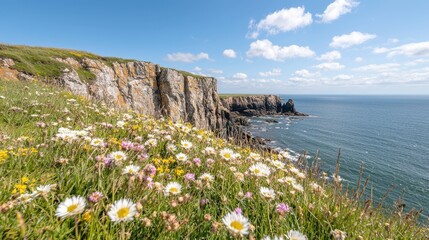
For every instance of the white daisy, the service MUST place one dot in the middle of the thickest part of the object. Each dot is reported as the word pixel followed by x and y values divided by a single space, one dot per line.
pixel 206 177
pixel 71 206
pixel 237 224
pixel 298 187
pixel 260 170
pixel 255 156
pixel 288 180
pixel 295 235
pixel 274 238
pixel 186 144
pixel 44 189
pixel 151 142
pixel 267 193
pixel 131 170
pixel 209 151
pixel 227 154
pixel 97 142
pixel 278 164
pixel 118 157
pixel 181 157
pixel 120 124
pixel 122 210
pixel 173 188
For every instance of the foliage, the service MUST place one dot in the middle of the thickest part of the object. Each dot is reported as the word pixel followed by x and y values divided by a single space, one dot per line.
pixel 54 145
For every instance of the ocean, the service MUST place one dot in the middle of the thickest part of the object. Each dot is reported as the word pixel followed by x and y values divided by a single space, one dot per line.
pixel 390 134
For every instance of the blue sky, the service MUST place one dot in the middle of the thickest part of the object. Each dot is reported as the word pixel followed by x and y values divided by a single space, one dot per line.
pixel 250 46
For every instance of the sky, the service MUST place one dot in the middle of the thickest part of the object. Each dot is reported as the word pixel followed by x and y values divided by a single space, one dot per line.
pixel 249 46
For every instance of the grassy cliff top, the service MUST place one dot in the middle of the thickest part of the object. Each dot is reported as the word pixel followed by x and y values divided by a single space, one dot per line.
pixel 40 62
pixel 66 165
pixel 239 95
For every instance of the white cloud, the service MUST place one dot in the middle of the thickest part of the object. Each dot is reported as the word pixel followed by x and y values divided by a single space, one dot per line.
pixel 274 72
pixel 330 66
pixel 187 57
pixel 411 49
pixel 283 20
pixel 342 77
pixel 304 73
pixel 330 56
pixel 336 9
pixel 240 76
pixel 198 69
pixel 379 67
pixel 265 48
pixel 393 40
pixel 216 71
pixel 358 59
pixel 229 53
pixel 348 40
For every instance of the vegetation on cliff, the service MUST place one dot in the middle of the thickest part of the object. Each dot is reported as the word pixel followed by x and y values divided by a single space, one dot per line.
pixel 74 169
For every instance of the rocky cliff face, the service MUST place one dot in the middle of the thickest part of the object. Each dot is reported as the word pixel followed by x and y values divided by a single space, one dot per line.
pixel 253 105
pixel 258 105
pixel 144 87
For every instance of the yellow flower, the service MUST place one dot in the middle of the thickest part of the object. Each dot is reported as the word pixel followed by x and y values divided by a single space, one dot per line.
pixel 87 216
pixel 20 188
pixel 179 172
pixel 24 180
pixel 3 155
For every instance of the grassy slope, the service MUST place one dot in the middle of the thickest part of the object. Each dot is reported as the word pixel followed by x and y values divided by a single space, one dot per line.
pixel 40 62
pixel 33 153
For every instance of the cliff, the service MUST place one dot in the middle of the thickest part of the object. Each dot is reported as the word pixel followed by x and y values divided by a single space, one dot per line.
pixel 257 105
pixel 126 84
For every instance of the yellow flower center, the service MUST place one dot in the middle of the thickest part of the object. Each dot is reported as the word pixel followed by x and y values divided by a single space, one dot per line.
pixel 123 212
pixel 256 171
pixel 118 157
pixel 237 225
pixel 227 155
pixel 71 208
pixel 174 190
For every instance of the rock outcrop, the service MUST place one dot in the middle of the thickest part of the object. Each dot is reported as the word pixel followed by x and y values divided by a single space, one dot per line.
pixel 258 105
pixel 253 105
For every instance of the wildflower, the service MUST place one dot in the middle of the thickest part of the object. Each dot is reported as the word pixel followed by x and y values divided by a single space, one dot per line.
pixel 87 216
pixel 151 142
pixel 118 157
pixel 27 197
pixel 97 142
pixel 209 151
pixel 207 177
pixel 282 209
pixel 248 195
pixel 173 188
pixel 260 170
pixel 238 211
pixel 239 176
pixel 207 217
pixel 120 124
pixel 227 154
pixel 298 187
pixel 255 156
pixel 171 148
pixel 338 234
pixel 186 144
pixel 197 161
pixel 181 157
pixel 70 207
pixel 237 224
pixel 274 238
pixel 122 210
pixel 288 180
pixel 189 177
pixel 267 193
pixel 295 235
pixel 44 189
pixel 278 164
pixel 95 197
pixel 131 170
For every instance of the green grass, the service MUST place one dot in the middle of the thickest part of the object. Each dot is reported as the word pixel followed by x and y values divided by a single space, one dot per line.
pixel 226 95
pixel 40 62
pixel 32 154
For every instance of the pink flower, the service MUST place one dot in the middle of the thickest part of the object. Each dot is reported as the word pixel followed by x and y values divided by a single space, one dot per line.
pixel 282 208
pixel 248 195
pixel 95 197
pixel 238 211
pixel 197 161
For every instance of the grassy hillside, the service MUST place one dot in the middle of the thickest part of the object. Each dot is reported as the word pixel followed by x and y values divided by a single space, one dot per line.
pixel 180 182
pixel 40 62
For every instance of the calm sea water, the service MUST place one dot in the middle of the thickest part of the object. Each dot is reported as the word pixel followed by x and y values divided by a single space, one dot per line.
pixel 390 134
